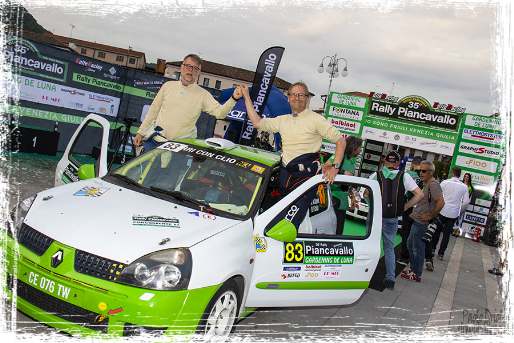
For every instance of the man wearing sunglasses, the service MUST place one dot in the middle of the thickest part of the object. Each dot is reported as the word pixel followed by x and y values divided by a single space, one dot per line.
pixel 177 106
pixel 424 213
pixel 301 134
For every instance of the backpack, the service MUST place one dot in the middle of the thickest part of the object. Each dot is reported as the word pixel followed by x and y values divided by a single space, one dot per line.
pixel 393 194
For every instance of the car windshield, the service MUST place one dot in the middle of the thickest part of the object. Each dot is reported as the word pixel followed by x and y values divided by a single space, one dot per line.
pixel 197 176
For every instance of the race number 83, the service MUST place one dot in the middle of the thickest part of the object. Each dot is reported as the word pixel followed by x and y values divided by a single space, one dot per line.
pixel 293 252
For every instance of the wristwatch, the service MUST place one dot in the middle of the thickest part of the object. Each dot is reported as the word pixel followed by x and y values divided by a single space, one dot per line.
pixel 336 165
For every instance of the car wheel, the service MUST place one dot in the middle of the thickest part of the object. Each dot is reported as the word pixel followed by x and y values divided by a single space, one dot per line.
pixel 220 316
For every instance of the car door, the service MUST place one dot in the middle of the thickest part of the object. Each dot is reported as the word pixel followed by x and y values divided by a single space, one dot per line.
pixel 86 153
pixel 316 268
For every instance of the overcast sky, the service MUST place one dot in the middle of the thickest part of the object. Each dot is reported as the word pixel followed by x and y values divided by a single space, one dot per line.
pixel 443 51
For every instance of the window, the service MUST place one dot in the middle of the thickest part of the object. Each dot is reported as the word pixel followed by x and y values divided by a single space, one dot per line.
pixel 119 58
pixel 83 51
pixel 218 84
pixel 132 60
pixel 101 54
pixel 206 81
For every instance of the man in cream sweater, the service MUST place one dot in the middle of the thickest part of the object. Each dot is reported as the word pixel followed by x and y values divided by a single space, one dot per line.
pixel 178 104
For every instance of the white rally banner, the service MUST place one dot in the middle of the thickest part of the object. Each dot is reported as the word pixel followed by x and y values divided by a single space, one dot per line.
pixel 43 92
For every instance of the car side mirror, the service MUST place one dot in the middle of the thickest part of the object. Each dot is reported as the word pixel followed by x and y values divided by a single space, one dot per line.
pixel 86 171
pixel 283 231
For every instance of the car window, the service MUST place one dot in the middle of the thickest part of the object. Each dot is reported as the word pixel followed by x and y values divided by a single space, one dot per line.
pixel 225 182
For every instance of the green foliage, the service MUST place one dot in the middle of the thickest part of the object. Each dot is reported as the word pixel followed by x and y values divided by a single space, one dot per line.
pixel 439 166
pixel 15 15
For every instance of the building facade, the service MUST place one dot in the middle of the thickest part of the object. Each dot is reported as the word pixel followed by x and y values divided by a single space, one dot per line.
pixel 123 57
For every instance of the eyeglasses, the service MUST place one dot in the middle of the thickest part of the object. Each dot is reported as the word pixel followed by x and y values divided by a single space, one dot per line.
pixel 298 95
pixel 424 170
pixel 190 67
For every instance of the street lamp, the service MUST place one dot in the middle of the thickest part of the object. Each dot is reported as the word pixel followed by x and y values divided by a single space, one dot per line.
pixel 333 70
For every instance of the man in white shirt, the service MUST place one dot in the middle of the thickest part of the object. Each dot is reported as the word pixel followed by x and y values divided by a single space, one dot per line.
pixel 393 191
pixel 456 198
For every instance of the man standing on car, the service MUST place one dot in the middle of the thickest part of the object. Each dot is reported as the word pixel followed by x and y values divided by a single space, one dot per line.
pixel 507 236
pixel 424 212
pixel 391 195
pixel 301 133
pixel 456 198
pixel 177 106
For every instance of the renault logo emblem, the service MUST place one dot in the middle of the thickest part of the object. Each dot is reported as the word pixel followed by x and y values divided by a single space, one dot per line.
pixel 57 259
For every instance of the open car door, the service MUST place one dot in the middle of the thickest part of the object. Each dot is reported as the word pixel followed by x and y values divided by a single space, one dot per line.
pixel 315 266
pixel 85 156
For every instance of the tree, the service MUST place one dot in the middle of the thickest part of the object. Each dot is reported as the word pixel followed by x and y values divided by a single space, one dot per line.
pixel 16 16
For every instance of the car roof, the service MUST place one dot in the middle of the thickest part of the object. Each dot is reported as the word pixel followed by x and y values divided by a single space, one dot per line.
pixel 257 155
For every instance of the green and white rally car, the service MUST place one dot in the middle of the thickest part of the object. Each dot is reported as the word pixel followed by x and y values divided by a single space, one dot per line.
pixel 180 240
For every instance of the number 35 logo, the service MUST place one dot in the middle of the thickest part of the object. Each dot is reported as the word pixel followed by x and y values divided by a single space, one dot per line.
pixel 293 252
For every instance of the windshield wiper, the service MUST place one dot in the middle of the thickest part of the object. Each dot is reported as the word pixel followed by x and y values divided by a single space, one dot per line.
pixel 181 196
pixel 132 182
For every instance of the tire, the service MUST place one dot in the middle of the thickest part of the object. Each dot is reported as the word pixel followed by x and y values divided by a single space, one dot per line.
pixel 220 316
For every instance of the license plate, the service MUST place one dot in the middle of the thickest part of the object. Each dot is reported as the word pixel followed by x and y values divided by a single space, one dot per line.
pixel 50 285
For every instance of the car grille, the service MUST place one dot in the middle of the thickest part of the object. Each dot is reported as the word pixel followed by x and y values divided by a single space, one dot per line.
pixel 59 308
pixel 34 240
pixel 97 266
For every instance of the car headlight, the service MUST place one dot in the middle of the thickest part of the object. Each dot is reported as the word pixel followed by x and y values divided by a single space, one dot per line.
pixel 162 270
pixel 19 212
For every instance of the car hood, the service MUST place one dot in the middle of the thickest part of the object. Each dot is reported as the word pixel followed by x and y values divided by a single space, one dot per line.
pixel 118 223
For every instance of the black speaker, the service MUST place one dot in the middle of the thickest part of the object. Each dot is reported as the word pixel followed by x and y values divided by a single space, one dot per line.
pixel 492 236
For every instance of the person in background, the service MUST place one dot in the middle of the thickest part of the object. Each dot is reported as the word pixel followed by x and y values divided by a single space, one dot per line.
pixel 340 193
pixel 390 184
pixel 257 143
pixel 507 236
pixel 424 212
pixel 456 198
pixel 467 181
pixel 406 219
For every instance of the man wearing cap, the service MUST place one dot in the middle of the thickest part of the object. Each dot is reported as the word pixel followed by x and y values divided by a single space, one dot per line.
pixel 393 195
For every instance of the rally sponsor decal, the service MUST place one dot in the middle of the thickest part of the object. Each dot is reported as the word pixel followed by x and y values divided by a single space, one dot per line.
pixel 481 210
pixel 257 169
pixel 348 100
pixel 417 110
pixel 24 56
pixel 347 113
pixel 318 252
pixel 482 136
pixel 470 228
pixel 374 147
pixel 369 166
pixel 477 164
pixel 372 157
pixel 172 146
pixel 483 122
pixel 203 215
pixel 49 93
pixel 475 218
pixel 483 203
pixel 328 147
pixel 261 245
pixel 91 191
pixel 345 125
pixel 480 150
pixel 70 174
pixel 312 272
pixel 155 221
pixel 481 179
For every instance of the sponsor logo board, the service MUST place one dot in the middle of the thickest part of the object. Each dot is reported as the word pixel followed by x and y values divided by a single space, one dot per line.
pixel 482 136
pixel 345 125
pixel 484 122
pixel 374 147
pixel 345 113
pixel 475 218
pixel 483 203
pixel 470 228
pixel 369 166
pixel 480 209
pixel 477 164
pixel 372 157
pixel 318 252
pixel 480 150
pixel 348 100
